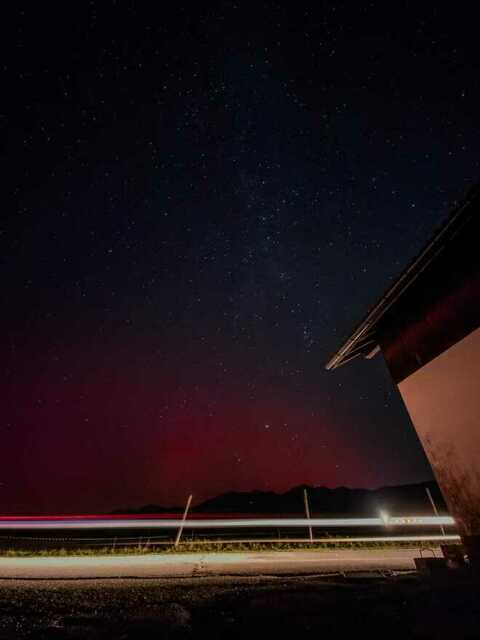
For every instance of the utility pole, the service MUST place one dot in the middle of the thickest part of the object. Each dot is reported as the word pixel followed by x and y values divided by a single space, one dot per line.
pixel 434 507
pixel 180 529
pixel 307 513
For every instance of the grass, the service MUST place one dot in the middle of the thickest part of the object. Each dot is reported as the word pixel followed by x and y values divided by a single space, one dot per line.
pixel 193 547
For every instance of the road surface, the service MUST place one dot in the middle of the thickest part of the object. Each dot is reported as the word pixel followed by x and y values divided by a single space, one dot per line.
pixel 211 564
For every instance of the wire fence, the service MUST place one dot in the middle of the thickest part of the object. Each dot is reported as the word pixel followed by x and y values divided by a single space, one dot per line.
pixel 150 531
pixel 150 538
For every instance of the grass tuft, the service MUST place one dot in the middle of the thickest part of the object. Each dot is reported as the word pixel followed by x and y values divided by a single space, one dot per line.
pixel 197 547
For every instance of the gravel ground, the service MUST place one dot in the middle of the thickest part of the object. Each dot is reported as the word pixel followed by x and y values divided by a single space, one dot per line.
pixel 402 606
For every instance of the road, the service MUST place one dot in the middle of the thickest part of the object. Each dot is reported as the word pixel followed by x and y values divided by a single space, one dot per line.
pixel 211 564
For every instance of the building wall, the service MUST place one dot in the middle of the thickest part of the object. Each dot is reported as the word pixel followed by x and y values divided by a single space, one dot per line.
pixel 443 400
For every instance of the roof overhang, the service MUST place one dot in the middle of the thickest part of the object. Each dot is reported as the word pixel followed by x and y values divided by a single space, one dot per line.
pixel 365 339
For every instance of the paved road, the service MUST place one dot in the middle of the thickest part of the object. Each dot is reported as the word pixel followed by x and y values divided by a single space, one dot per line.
pixel 212 564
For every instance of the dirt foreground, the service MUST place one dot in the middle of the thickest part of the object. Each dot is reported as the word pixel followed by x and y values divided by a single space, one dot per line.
pixel 360 605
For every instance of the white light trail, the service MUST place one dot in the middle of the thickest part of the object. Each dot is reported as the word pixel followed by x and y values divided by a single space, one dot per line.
pixel 283 523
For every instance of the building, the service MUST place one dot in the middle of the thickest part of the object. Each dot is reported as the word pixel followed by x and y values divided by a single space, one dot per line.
pixel 427 328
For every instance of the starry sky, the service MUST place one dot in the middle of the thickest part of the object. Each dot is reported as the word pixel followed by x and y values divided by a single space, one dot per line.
pixel 199 203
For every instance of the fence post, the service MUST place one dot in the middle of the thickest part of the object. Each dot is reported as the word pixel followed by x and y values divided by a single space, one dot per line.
pixel 434 507
pixel 180 529
pixel 307 512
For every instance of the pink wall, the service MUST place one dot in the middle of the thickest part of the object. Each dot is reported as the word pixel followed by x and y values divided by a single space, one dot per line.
pixel 443 400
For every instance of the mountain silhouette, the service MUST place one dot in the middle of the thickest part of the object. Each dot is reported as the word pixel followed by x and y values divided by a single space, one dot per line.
pixel 395 500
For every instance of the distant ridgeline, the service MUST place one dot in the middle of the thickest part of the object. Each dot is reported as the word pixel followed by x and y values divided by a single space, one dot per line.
pixel 410 499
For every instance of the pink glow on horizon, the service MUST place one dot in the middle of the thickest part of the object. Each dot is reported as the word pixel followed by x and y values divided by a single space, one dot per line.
pixel 106 439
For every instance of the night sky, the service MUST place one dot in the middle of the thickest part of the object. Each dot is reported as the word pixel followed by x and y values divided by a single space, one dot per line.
pixel 199 203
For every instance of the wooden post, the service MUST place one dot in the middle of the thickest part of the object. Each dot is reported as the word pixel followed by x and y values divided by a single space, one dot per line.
pixel 180 529
pixel 434 507
pixel 307 512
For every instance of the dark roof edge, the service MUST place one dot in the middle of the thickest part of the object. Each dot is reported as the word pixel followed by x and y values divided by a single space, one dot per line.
pixel 360 341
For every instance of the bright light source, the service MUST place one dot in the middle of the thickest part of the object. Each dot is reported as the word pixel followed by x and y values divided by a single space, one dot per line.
pixel 385 517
